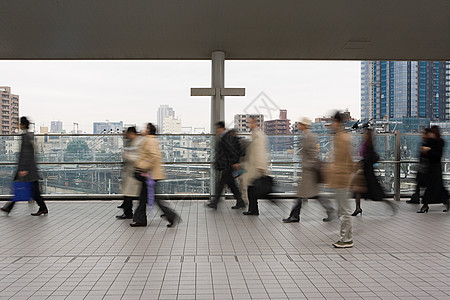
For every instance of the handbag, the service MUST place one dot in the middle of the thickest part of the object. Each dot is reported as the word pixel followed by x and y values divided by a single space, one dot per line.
pixel 263 185
pixel 23 191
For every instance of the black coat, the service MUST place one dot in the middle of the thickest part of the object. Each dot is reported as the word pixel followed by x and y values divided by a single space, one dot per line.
pixel 435 191
pixel 228 151
pixel 374 190
pixel 27 161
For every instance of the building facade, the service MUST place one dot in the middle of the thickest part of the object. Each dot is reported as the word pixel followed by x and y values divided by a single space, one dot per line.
pixel 278 126
pixel 405 89
pixel 108 127
pixel 56 127
pixel 10 111
pixel 240 122
pixel 163 112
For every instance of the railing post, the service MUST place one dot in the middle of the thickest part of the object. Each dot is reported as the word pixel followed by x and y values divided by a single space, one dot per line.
pixel 397 156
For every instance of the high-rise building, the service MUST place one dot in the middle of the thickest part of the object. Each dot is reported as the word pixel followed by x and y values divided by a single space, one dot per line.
pixel 278 126
pixel 171 125
pixel 56 127
pixel 240 122
pixel 108 127
pixel 405 89
pixel 164 111
pixel 10 111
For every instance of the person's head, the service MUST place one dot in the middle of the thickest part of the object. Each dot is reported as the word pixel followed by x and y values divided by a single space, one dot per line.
pixel 252 123
pixel 435 132
pixel 151 129
pixel 220 127
pixel 336 125
pixel 24 124
pixel 131 133
pixel 427 134
pixel 304 124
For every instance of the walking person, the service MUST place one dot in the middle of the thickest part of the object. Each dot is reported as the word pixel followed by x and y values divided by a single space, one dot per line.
pixel 227 161
pixel 256 164
pixel 27 169
pixel 339 180
pixel 131 187
pixel 365 183
pixel 308 187
pixel 148 166
pixel 422 172
pixel 435 192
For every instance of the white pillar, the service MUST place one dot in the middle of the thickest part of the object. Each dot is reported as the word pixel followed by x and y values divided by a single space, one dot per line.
pixel 217 106
pixel 217 81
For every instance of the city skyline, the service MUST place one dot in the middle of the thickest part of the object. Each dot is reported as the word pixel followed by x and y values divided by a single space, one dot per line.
pixel 85 92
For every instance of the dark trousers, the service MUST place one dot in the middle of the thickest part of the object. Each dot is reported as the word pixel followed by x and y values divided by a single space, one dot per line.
pixel 295 212
pixel 227 178
pixel 140 214
pixel 253 199
pixel 36 196
pixel 128 205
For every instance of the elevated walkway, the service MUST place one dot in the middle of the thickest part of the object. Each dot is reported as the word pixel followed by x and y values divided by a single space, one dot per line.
pixel 80 251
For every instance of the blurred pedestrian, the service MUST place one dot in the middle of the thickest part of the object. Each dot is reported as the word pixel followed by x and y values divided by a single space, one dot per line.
pixel 435 192
pixel 27 169
pixel 149 171
pixel 131 187
pixel 256 165
pixel 227 163
pixel 308 187
pixel 364 183
pixel 422 172
pixel 339 180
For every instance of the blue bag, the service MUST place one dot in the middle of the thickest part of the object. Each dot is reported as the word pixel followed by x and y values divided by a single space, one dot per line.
pixel 23 191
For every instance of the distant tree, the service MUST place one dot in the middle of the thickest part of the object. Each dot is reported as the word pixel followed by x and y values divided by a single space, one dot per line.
pixel 77 150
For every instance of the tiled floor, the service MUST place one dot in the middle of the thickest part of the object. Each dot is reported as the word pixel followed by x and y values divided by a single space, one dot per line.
pixel 80 251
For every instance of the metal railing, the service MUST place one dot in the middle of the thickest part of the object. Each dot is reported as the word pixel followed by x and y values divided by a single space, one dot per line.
pixel 88 166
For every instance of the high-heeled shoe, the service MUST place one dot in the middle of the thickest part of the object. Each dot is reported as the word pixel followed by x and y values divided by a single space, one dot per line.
pixel 357 212
pixel 40 212
pixel 423 209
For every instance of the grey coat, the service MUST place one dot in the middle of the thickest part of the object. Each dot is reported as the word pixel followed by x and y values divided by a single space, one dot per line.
pixel 27 160
pixel 131 187
pixel 308 185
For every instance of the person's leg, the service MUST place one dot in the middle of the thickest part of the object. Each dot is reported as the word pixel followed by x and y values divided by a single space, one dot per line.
pixel 253 201
pixel 358 209
pixel 219 188
pixel 128 206
pixel 344 211
pixel 231 182
pixel 295 212
pixel 8 206
pixel 140 214
pixel 38 198
pixel 327 204
pixel 169 213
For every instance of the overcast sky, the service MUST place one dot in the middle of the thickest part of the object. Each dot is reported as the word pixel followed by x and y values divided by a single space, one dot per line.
pixel 131 91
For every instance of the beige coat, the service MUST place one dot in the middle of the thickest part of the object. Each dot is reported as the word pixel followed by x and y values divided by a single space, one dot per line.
pixel 150 158
pixel 256 157
pixel 308 185
pixel 341 169
pixel 131 187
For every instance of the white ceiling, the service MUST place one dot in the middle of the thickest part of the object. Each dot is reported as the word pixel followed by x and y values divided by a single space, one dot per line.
pixel 244 29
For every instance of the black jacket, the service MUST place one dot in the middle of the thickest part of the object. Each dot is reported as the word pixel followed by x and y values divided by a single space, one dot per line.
pixel 227 151
pixel 374 190
pixel 27 161
pixel 435 192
